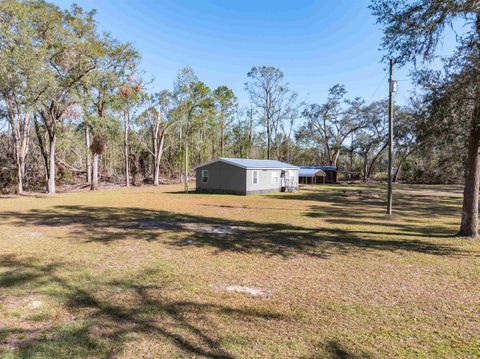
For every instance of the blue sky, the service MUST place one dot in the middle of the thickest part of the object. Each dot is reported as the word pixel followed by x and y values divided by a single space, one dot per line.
pixel 315 43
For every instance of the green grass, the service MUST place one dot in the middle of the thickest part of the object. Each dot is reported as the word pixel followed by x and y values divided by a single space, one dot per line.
pixel 141 272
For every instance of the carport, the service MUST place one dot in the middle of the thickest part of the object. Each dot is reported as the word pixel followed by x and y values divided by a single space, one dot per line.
pixel 311 176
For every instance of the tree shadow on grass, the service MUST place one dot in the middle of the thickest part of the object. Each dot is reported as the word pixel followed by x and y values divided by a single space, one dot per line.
pixel 354 203
pixel 103 325
pixel 393 228
pixel 332 349
pixel 110 224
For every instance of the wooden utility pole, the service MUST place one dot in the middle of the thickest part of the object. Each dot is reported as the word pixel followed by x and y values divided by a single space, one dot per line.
pixel 391 90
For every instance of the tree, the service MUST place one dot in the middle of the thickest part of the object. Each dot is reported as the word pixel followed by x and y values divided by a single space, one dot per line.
pixel 157 122
pixel 440 131
pixel 243 133
pixel 372 140
pixel 226 105
pixel 21 59
pixel 412 31
pixel 73 49
pixel 405 138
pixel 116 61
pixel 273 99
pixel 129 95
pixel 333 122
pixel 192 98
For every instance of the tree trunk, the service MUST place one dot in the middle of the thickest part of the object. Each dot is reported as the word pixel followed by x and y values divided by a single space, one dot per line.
pixel 333 160
pixel 19 121
pixel 351 155
pixel 21 157
pixel 186 165
pixel 24 148
pixel 21 139
pixel 51 166
pixel 126 150
pixel 374 160
pixel 50 117
pixel 250 137
pixel 469 223
pixel 288 150
pixel 19 178
pixel 365 169
pixel 94 175
pixel 158 151
pixel 88 157
pixel 156 163
pixel 222 138
pixel 397 173
pixel 43 148
pixel 156 172
pixel 400 164
pixel 268 141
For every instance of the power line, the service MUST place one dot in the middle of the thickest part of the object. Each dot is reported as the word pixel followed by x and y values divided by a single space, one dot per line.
pixel 391 90
pixel 378 87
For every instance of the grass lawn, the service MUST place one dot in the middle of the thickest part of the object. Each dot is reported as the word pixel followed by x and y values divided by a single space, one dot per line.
pixel 144 273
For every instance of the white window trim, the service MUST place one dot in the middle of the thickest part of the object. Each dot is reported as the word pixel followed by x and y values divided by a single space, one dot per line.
pixel 275 176
pixel 253 177
pixel 203 176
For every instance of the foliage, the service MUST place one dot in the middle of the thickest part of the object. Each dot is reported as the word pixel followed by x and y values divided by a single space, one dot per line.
pixel 86 92
pixel 331 123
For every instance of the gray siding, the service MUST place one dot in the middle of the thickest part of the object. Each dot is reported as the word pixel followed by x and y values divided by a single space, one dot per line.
pixel 226 178
pixel 222 178
pixel 265 183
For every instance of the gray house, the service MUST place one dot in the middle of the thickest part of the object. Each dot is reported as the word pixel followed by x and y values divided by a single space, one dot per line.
pixel 245 176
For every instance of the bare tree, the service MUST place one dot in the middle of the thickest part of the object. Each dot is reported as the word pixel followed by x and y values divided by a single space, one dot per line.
pixel 156 121
pixel 226 106
pixel 192 98
pixel 333 122
pixel 272 98
pixel 129 95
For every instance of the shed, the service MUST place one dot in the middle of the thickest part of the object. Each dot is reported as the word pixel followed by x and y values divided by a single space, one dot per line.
pixel 245 176
pixel 311 176
pixel 330 172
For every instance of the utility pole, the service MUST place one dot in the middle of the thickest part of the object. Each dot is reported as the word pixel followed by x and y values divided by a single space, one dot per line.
pixel 351 158
pixel 391 90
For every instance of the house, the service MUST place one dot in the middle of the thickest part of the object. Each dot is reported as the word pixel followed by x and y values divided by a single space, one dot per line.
pixel 245 176
pixel 311 176
pixel 330 172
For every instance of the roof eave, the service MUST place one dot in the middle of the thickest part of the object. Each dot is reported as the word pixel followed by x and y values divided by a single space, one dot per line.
pixel 244 167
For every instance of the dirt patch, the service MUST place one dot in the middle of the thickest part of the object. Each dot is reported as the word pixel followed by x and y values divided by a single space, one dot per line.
pixel 210 229
pixel 35 304
pixel 253 291
pixel 190 227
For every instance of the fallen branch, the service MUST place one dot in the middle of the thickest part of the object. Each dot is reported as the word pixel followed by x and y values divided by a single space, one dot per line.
pixel 70 167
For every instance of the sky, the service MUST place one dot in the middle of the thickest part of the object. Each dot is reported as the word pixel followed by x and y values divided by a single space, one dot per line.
pixel 315 43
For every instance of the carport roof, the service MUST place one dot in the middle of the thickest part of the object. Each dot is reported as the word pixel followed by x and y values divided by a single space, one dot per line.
pixel 310 172
pixel 323 168
pixel 249 163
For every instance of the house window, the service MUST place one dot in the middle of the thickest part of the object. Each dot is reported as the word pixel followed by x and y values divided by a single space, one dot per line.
pixel 255 177
pixel 204 176
pixel 274 177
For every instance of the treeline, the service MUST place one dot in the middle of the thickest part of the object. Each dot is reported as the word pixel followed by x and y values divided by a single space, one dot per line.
pixel 76 108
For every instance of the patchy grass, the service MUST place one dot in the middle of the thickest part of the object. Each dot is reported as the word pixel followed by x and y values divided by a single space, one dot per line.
pixel 140 273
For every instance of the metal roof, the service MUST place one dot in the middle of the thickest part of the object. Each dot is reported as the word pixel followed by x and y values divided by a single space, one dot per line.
pixel 323 168
pixel 249 163
pixel 310 172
